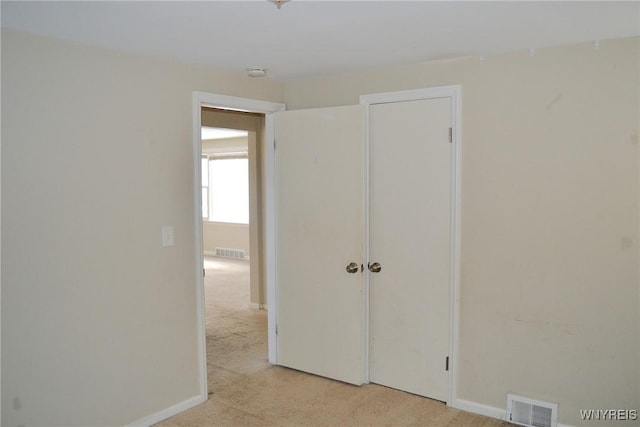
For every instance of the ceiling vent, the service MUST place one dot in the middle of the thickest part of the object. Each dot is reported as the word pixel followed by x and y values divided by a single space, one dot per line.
pixel 531 413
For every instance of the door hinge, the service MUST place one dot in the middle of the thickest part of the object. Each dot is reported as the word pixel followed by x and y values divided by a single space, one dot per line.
pixel 274 143
pixel 446 363
pixel 450 134
pixel 276 329
pixel 204 272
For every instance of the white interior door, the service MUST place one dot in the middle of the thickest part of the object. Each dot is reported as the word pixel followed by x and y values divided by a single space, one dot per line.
pixel 319 231
pixel 410 227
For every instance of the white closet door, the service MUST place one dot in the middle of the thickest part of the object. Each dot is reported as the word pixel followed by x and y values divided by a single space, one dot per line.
pixel 320 231
pixel 410 206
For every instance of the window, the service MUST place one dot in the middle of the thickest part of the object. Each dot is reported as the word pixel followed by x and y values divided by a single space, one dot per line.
pixel 227 188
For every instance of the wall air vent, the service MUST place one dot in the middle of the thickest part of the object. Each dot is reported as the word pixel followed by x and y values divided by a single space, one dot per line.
pixel 531 413
pixel 230 253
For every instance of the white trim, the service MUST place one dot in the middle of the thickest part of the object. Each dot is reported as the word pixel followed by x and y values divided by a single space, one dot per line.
pixel 238 104
pixel 204 99
pixel 456 261
pixel 486 410
pixel 367 253
pixel 411 95
pixel 254 306
pixel 452 92
pixel 168 412
pixel 269 207
pixel 479 408
pixel 199 256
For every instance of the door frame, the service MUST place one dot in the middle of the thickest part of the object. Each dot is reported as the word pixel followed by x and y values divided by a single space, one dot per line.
pixel 454 93
pixel 205 99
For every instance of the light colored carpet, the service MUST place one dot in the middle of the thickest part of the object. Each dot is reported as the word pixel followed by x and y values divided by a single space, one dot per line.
pixel 245 390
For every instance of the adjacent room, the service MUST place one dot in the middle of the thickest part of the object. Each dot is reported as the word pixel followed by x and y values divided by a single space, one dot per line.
pixel 236 323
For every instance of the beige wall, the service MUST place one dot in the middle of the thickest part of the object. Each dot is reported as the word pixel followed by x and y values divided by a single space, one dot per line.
pixel 225 235
pixel 550 199
pixel 98 319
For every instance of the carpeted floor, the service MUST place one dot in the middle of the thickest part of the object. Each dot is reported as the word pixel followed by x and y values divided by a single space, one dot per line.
pixel 245 390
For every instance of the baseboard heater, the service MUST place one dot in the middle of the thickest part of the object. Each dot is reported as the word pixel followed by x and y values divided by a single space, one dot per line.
pixel 531 413
pixel 230 253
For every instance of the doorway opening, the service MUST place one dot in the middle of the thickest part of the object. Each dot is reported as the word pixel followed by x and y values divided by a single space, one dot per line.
pixel 232 242
pixel 230 107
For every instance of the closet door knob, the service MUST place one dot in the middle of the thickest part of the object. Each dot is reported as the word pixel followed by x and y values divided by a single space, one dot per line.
pixel 352 268
pixel 375 267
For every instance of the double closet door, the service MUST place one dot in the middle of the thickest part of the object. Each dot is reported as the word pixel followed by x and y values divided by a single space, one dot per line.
pixel 363 243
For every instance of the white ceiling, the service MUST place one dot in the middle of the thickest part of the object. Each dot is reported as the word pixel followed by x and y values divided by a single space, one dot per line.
pixel 308 38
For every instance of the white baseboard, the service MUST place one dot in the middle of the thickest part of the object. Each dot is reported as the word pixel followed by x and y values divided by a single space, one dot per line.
pixel 254 306
pixel 479 408
pixel 168 412
pixel 486 410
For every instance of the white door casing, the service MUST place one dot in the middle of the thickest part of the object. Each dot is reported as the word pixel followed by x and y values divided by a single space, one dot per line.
pixel 320 230
pixel 205 99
